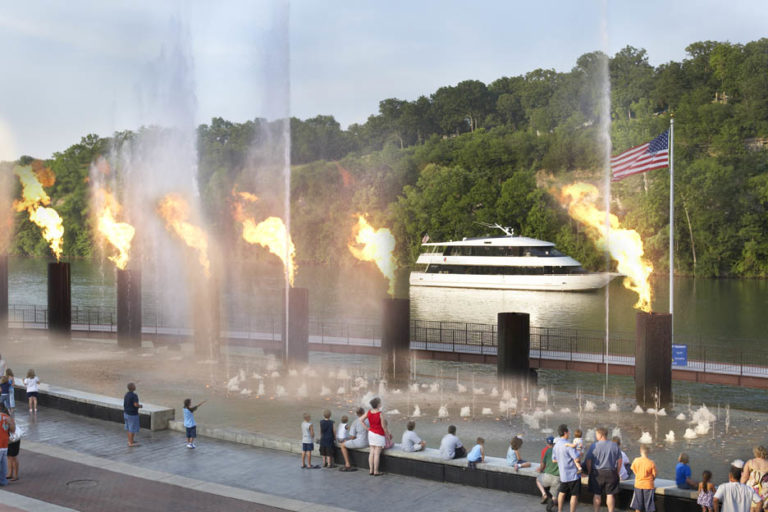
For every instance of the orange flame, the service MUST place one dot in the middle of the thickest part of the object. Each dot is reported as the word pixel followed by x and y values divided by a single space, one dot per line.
pixel 378 246
pixel 270 234
pixel 175 210
pixel 624 245
pixel 119 234
pixel 35 201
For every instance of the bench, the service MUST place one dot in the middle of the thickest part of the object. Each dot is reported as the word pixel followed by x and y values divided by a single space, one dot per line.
pixel 82 403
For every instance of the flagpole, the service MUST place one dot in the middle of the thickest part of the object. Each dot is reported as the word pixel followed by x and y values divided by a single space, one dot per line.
pixel 672 222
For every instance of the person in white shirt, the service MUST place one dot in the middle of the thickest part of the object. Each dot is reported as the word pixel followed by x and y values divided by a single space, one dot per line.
pixel 411 441
pixel 342 431
pixel 735 496
pixel 450 445
pixel 33 386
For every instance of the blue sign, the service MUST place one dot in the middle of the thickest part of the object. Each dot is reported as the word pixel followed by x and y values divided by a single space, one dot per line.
pixel 679 355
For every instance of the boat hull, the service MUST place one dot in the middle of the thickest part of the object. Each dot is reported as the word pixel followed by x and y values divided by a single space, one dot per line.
pixel 556 282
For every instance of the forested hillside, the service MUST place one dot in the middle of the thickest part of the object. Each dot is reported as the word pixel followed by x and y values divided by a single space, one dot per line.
pixel 477 152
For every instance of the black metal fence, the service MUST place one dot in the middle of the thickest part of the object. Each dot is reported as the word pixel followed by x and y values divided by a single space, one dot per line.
pixel 718 355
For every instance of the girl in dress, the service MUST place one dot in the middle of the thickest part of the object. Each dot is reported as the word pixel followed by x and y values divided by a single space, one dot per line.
pixel 377 435
pixel 706 492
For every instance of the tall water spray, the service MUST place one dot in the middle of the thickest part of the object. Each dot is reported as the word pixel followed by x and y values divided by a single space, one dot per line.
pixel 604 113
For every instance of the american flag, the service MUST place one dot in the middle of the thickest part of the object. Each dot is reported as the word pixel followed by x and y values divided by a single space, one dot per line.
pixel 645 157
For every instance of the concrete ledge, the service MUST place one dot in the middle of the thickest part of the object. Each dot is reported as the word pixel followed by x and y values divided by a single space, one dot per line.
pixel 82 403
pixel 494 473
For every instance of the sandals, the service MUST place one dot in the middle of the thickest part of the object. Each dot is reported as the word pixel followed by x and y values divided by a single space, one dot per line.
pixel 347 469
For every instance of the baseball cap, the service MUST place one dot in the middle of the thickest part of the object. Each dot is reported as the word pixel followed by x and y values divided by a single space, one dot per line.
pixel 738 463
pixel 551 440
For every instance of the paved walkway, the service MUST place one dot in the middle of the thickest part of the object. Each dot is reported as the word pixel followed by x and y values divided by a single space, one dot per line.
pixel 84 464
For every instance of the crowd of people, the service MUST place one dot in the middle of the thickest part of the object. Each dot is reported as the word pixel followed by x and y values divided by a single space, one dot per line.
pixel 562 464
pixel 563 461
pixel 10 433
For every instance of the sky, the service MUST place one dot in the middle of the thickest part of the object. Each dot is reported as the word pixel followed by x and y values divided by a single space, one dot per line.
pixel 78 67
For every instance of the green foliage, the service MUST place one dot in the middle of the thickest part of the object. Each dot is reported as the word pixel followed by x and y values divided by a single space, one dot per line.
pixel 476 153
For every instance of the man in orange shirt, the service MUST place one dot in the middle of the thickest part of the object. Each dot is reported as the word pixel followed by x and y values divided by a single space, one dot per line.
pixel 7 425
pixel 645 474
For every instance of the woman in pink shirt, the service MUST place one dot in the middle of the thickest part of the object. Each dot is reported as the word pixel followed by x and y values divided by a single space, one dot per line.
pixel 377 435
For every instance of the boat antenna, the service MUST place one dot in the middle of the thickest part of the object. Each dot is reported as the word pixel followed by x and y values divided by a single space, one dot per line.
pixel 507 230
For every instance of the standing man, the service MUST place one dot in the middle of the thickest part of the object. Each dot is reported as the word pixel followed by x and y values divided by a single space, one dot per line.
pixel 549 473
pixel 131 408
pixel 735 496
pixel 603 466
pixel 7 425
pixel 569 465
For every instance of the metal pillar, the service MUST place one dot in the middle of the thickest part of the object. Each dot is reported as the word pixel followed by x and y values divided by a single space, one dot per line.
pixel 129 308
pixel 514 345
pixel 396 341
pixel 296 350
pixel 59 300
pixel 653 359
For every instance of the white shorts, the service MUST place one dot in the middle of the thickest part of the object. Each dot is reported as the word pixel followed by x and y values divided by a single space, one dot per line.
pixel 376 439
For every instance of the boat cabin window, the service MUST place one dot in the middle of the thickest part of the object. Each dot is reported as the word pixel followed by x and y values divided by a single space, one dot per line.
pixel 504 251
pixel 509 271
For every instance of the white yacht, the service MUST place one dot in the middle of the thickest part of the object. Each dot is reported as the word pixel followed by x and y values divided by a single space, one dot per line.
pixel 505 262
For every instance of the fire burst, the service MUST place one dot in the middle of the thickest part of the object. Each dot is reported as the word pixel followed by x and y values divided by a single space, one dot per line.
pixel 35 201
pixel 119 234
pixel 175 210
pixel 270 233
pixel 378 246
pixel 624 245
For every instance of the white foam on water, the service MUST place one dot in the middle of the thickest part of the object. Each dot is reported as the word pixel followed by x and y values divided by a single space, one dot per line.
pixel 589 406
pixel 466 411
pixel 494 392
pixel 662 412
pixel 638 410
pixel 487 411
pixel 565 410
pixel 682 416
pixel 442 412
pixel 645 438
pixel 670 437
pixel 613 408
pixel 416 411
pixel 461 387
pixel 324 391
pixel 690 434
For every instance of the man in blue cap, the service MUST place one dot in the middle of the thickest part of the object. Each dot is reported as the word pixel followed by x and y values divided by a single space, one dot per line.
pixel 549 473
